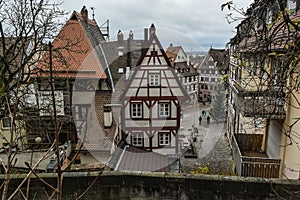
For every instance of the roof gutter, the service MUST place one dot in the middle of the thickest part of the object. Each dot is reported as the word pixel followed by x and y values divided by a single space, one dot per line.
pixel 121 157
pixel 108 69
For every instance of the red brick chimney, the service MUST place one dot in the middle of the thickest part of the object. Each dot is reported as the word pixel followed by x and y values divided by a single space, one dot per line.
pixel 84 13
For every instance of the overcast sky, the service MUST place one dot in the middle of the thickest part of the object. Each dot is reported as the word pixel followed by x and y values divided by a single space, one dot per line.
pixel 200 22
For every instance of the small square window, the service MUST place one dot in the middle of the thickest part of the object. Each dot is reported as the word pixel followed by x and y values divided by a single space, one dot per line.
pixel 164 139
pixel 83 112
pixel 136 110
pixel 121 70
pixel 164 109
pixel 137 139
pixel 120 53
pixel 154 80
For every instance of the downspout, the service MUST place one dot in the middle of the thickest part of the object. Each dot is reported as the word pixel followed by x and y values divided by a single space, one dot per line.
pixel 283 142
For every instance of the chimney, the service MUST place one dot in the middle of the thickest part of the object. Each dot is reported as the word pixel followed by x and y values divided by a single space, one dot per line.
pixel 131 35
pixel 152 29
pixel 146 34
pixel 84 13
pixel 120 36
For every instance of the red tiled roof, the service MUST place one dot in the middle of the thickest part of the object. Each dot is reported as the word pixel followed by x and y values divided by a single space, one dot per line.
pixel 73 51
pixel 172 51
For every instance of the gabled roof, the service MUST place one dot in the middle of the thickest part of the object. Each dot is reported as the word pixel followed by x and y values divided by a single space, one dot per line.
pixel 172 52
pixel 186 70
pixel 153 53
pixel 154 57
pixel 221 57
pixel 76 51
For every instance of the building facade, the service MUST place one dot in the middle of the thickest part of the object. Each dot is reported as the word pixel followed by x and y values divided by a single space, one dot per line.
pixel 263 112
pixel 151 102
pixel 211 75
pixel 186 72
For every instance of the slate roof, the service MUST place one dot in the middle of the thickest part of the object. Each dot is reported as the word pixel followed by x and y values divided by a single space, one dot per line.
pixel 131 158
pixel 185 70
pixel 98 138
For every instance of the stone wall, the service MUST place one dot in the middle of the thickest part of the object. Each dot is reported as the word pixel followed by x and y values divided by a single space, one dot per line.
pixel 125 185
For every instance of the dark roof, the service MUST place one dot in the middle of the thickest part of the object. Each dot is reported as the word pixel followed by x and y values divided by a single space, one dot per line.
pixel 185 70
pixel 221 57
pixel 99 138
pixel 131 158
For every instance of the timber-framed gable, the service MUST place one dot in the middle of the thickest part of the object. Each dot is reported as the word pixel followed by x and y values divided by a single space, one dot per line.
pixel 151 101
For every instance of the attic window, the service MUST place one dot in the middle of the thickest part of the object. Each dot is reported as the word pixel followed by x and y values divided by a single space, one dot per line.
pixel 121 70
pixel 120 53
pixel 154 80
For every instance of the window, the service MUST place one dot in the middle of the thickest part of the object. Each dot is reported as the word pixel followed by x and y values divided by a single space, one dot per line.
pixel 164 139
pixel 6 122
pixel 136 110
pixel 83 112
pixel 121 70
pixel 137 139
pixel 154 80
pixel 80 84
pixel 120 53
pixel 291 4
pixel 164 109
pixel 269 16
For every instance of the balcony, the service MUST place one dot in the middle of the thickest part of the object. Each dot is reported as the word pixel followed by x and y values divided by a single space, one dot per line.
pixel 248 158
pixel 267 103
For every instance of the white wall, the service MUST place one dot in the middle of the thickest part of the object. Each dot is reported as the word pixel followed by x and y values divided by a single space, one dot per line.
pixel 274 139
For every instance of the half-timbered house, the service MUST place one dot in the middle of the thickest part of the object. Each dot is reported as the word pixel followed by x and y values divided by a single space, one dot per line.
pixel 151 101
pixel 82 83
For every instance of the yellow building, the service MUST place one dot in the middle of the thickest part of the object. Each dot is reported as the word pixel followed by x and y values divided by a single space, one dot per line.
pixel 264 100
pixel 19 137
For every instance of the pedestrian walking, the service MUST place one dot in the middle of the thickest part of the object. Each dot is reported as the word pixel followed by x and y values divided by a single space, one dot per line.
pixel 200 119
pixel 208 119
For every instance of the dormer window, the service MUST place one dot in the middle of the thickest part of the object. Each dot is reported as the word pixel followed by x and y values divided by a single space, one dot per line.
pixel 120 53
pixel 121 70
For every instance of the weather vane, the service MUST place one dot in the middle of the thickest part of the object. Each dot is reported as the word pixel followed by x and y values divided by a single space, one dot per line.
pixel 93 9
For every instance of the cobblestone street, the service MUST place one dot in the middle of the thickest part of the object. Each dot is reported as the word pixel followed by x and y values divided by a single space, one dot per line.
pixel 210 145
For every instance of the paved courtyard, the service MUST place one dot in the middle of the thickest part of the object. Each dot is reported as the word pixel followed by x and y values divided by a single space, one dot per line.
pixel 209 144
